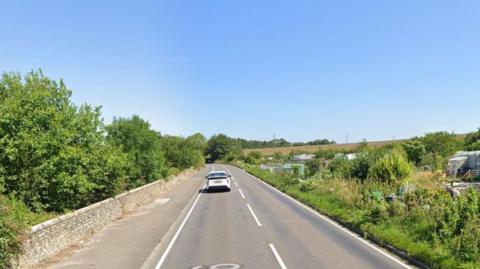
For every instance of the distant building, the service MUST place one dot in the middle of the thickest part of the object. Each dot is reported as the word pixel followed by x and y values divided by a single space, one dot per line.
pixel 303 157
pixel 463 162
pixel 351 156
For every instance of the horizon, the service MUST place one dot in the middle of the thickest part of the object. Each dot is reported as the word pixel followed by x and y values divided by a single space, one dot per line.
pixel 296 70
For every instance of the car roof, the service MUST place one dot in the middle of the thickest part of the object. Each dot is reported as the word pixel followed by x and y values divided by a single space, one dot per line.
pixel 217 172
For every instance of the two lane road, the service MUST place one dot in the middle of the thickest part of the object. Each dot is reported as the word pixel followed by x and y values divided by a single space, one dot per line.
pixel 255 226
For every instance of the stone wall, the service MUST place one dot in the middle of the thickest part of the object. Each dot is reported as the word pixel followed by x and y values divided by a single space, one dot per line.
pixel 49 238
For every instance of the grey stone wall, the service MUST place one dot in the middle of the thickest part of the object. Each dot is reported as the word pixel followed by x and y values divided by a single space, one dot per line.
pixel 49 238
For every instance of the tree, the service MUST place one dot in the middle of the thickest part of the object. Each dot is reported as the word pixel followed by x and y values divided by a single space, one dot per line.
pixel 443 144
pixel 472 141
pixel 142 147
pixel 415 150
pixel 220 145
pixel 184 153
pixel 52 153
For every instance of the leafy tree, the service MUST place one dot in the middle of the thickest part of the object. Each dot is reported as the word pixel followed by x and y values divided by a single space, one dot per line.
pixel 220 145
pixel 415 150
pixel 184 153
pixel 443 144
pixel 143 149
pixel 472 141
pixel 52 153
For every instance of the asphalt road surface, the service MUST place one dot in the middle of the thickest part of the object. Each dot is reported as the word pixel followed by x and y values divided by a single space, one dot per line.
pixel 255 226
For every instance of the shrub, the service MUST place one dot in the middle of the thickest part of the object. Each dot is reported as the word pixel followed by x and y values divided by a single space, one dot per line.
pixel 391 168
pixel 11 230
pixel 312 167
pixel 378 212
pixel 361 165
pixel 472 141
pixel 415 150
pixel 339 167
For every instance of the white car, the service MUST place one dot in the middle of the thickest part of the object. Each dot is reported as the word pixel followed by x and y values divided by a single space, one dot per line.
pixel 218 180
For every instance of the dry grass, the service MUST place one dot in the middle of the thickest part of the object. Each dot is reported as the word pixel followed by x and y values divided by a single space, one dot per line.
pixel 315 148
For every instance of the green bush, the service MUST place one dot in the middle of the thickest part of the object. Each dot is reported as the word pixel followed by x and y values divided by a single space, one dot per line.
pixel 339 167
pixel 10 234
pixel 472 141
pixel 392 167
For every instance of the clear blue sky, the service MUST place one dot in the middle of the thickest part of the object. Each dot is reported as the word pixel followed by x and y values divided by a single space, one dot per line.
pixel 298 69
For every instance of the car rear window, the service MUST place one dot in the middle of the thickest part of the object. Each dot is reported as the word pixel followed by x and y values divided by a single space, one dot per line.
pixel 217 175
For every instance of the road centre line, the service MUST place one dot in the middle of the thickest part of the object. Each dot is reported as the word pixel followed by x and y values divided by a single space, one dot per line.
pixel 170 245
pixel 254 217
pixel 277 256
pixel 364 241
pixel 241 193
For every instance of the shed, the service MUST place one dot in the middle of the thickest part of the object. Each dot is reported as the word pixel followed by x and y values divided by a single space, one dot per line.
pixel 462 162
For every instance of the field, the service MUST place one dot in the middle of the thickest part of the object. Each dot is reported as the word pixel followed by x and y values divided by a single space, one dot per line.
pixel 315 148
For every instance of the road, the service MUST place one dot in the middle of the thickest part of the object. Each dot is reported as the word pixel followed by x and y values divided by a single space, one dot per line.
pixel 255 226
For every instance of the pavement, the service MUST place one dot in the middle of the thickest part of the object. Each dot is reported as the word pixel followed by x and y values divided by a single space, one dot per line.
pixel 127 243
pixel 252 226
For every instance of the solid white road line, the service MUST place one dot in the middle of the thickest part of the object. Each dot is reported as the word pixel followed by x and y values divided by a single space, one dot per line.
pixel 241 193
pixel 254 216
pixel 336 225
pixel 170 245
pixel 277 256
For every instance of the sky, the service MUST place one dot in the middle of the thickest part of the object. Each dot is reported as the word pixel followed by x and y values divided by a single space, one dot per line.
pixel 300 70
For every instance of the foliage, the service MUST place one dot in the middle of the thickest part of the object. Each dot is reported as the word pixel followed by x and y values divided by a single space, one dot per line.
pixel 56 156
pixel 361 165
pixel 415 150
pixel 472 141
pixel 392 168
pixel 433 149
pixel 220 145
pixel 338 167
pixel 10 232
pixel 184 152
pixel 52 153
pixel 253 157
pixel 312 167
pixel 441 143
pixel 142 147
